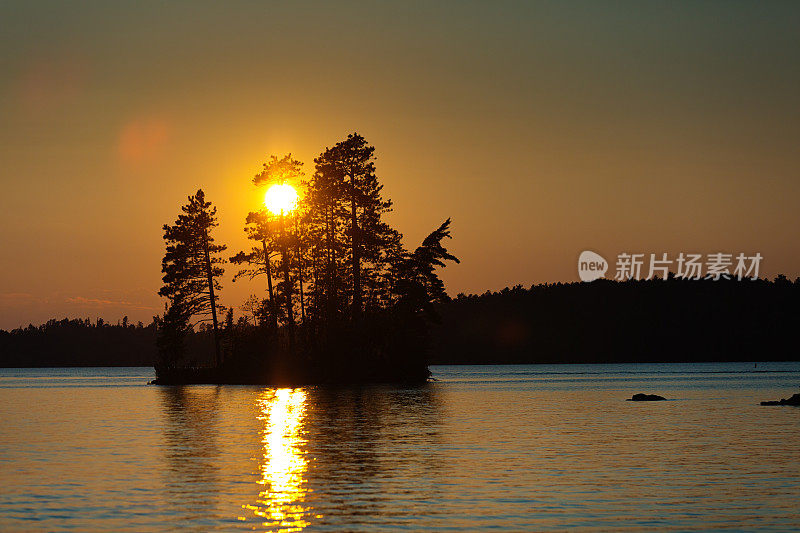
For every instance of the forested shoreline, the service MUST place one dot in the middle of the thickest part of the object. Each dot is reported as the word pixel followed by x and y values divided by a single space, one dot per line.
pixel 344 301
pixel 599 322
pixel 635 321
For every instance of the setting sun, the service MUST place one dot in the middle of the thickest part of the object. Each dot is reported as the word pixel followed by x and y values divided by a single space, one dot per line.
pixel 280 199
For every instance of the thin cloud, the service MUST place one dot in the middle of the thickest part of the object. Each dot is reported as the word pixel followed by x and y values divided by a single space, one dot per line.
pixel 20 297
pixel 102 302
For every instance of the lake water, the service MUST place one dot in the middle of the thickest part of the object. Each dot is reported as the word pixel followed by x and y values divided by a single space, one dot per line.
pixel 486 447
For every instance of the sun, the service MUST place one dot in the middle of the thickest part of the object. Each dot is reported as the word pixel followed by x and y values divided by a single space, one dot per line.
pixel 280 199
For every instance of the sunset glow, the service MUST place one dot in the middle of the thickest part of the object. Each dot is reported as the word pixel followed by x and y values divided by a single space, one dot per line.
pixel 280 199
pixel 483 266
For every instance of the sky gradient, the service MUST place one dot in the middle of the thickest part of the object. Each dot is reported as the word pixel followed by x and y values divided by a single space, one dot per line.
pixel 542 129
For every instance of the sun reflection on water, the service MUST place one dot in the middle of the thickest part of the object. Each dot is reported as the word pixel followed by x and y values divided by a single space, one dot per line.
pixel 281 503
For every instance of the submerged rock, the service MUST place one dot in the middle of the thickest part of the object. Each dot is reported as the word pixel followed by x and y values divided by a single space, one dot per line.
pixel 794 400
pixel 645 398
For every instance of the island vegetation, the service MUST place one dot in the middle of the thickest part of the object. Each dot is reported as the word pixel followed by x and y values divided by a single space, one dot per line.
pixel 344 300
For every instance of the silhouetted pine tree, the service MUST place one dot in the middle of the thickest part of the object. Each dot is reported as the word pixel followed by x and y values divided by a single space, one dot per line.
pixel 417 285
pixel 172 330
pixel 325 227
pixel 190 267
pixel 260 259
pixel 278 171
pixel 347 192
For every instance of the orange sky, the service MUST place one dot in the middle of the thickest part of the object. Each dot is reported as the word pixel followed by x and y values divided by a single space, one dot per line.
pixel 542 129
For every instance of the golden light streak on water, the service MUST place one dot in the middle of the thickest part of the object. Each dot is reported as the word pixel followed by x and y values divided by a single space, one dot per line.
pixel 281 503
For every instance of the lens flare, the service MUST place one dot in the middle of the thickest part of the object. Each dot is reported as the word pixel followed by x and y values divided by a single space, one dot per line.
pixel 280 199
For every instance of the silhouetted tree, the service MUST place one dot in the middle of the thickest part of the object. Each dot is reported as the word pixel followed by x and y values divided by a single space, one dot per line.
pixel 190 265
pixel 279 171
pixel 346 192
pixel 259 259
pixel 417 285
pixel 172 330
pixel 257 308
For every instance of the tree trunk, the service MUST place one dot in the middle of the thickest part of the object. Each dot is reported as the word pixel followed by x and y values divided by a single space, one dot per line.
pixel 355 240
pixel 272 308
pixel 315 276
pixel 209 274
pixel 300 268
pixel 331 281
pixel 286 278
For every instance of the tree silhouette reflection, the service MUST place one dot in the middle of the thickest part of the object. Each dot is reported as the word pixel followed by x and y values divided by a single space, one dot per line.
pixel 193 473
pixel 287 459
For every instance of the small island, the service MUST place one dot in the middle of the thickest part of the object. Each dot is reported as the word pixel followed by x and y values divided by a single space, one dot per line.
pixel 645 398
pixel 344 301
pixel 794 400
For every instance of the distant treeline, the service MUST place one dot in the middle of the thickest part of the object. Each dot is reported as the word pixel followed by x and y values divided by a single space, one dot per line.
pixel 78 342
pixel 599 322
pixel 605 321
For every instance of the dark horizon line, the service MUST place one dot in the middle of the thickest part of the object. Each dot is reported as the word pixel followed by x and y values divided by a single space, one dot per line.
pixel 780 278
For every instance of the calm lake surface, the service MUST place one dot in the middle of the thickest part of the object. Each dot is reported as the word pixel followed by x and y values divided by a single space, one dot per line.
pixel 486 447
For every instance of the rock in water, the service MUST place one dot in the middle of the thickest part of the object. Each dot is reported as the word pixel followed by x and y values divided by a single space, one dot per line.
pixel 794 400
pixel 645 398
